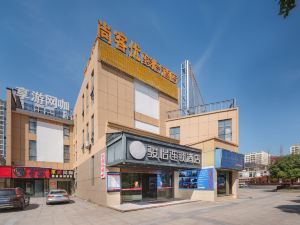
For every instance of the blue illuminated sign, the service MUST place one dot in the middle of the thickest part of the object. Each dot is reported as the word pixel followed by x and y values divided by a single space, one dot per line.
pixel 225 159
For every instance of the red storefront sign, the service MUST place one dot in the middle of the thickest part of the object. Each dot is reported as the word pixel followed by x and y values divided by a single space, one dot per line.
pixel 5 172
pixel 30 172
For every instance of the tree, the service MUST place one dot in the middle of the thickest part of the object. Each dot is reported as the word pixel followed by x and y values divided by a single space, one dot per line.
pixel 287 167
pixel 285 6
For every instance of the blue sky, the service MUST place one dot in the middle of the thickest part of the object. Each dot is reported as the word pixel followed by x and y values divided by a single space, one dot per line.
pixel 240 49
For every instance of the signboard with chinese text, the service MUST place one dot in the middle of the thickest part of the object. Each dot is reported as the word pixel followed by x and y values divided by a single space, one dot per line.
pixel 30 172
pixel 54 173
pixel 113 181
pixel 105 34
pixel 103 167
pixel 146 151
pixel 43 103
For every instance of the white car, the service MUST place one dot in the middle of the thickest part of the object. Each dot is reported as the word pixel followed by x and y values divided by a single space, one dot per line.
pixel 57 196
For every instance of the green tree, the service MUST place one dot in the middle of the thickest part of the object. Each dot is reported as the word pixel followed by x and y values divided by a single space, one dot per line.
pixel 285 6
pixel 287 167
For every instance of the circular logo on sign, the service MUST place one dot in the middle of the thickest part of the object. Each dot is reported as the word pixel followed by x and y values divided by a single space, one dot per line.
pixel 137 150
pixel 19 172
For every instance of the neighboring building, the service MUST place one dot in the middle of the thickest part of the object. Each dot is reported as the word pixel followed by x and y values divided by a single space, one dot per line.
pixel 2 129
pixel 123 114
pixel 189 93
pixel 39 150
pixel 295 149
pixel 254 159
pixel 256 165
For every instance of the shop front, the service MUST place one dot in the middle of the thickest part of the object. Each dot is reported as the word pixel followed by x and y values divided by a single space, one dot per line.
pixel 146 167
pixel 62 179
pixel 34 180
pixel 227 165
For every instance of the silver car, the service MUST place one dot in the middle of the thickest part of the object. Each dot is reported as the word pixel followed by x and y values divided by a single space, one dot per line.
pixel 57 196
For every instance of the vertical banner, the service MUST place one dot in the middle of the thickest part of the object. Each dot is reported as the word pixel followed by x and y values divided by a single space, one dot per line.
pixel 102 170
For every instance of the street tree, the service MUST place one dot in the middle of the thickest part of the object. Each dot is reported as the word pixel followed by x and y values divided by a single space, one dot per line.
pixel 287 167
pixel 285 6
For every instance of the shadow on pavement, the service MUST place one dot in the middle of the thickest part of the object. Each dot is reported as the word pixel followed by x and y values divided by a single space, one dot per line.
pixel 63 203
pixel 27 208
pixel 289 208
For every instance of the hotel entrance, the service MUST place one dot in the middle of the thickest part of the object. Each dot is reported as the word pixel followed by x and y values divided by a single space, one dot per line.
pixel 146 187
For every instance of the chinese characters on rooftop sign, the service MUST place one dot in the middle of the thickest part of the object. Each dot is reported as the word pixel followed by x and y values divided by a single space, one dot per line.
pixel 43 103
pixel 105 34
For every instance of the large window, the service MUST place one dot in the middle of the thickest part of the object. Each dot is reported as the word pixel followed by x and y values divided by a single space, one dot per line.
pixel 146 100
pixel 66 153
pixel 32 125
pixel 32 150
pixel 66 131
pixel 175 132
pixel 225 130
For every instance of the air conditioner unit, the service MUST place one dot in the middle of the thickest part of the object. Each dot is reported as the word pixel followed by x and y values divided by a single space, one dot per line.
pixel 87 145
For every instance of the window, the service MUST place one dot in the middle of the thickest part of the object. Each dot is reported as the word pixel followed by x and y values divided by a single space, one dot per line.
pixel 66 131
pixel 82 106
pixel 32 125
pixel 32 150
pixel 66 153
pixel 92 87
pixel 146 100
pixel 92 129
pixel 82 146
pixel 225 131
pixel 87 97
pixel 175 132
pixel 87 133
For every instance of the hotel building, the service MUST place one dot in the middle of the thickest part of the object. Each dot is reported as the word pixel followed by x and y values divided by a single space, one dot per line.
pixel 132 142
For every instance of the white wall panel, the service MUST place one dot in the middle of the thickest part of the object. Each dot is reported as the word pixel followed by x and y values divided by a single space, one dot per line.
pixel 50 142
pixel 146 127
pixel 146 100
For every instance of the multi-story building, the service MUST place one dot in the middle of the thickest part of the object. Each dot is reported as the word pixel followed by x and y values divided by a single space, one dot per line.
pixel 2 129
pixel 39 149
pixel 127 117
pixel 257 159
pixel 256 165
pixel 295 149
pixel 127 139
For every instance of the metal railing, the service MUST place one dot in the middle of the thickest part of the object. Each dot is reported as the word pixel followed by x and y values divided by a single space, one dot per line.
pixel 211 107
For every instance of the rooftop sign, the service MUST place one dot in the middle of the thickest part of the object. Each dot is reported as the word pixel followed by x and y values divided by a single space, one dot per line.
pixel 105 34
pixel 43 103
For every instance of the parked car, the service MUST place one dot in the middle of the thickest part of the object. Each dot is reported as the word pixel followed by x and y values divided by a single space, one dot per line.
pixel 243 185
pixel 57 196
pixel 13 198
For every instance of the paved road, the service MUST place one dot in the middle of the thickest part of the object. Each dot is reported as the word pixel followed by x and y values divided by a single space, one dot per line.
pixel 255 206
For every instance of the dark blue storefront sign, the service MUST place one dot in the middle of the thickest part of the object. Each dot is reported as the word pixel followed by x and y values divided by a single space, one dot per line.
pixel 225 159
pixel 202 179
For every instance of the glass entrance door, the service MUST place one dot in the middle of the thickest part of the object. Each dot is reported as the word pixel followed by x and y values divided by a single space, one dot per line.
pixel 149 183
pixel 221 183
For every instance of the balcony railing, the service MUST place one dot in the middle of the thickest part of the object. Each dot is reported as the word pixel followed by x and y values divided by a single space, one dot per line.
pixel 211 107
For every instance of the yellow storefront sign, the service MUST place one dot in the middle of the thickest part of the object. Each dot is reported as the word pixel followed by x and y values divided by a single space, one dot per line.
pixel 134 68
